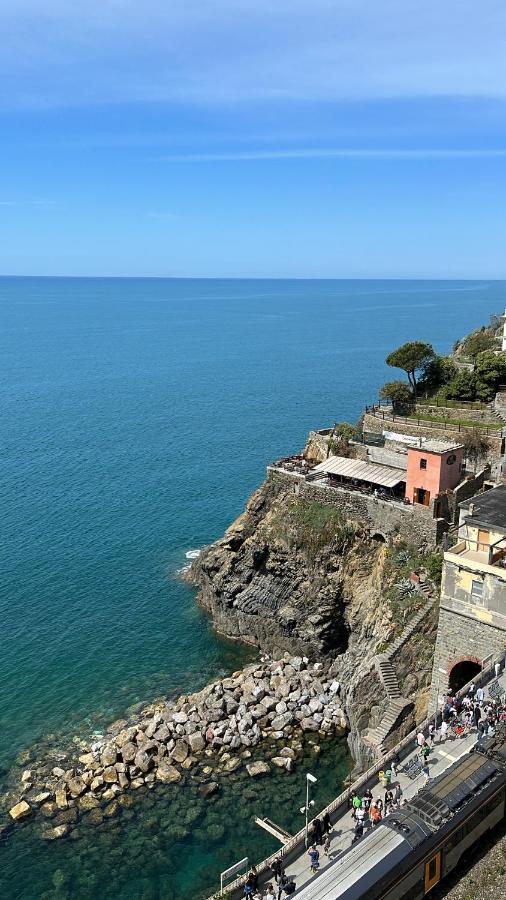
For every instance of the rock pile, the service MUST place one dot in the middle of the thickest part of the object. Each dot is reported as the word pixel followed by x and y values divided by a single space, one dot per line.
pixel 266 703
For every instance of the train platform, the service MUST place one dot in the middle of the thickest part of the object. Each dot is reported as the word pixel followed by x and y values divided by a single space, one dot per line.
pixel 442 756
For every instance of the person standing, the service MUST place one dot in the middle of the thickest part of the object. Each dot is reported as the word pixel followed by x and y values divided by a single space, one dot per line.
pixel 327 824
pixel 270 895
pixel 359 830
pixel 314 856
pixel 317 831
pixel 277 869
pixel 420 739
pixel 497 669
pixel 326 846
pixel 253 878
pixel 443 731
pixel 480 695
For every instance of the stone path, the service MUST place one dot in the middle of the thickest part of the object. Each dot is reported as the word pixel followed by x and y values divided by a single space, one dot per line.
pixel 441 758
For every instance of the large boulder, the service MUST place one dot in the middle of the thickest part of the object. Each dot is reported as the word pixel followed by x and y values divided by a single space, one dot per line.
pixel 257 768
pixel 197 742
pixel 53 834
pixel 142 761
pixel 167 772
pixel 60 796
pixel 20 811
pixel 180 752
pixel 76 786
pixel 208 790
pixel 309 724
pixel 128 752
pixel 108 756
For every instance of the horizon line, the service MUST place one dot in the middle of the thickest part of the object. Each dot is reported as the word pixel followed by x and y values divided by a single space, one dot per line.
pixel 467 278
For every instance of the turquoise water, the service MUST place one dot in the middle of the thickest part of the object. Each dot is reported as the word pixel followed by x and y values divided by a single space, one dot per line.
pixel 137 417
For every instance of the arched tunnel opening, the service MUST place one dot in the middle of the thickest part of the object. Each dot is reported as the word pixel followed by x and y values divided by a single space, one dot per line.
pixel 462 672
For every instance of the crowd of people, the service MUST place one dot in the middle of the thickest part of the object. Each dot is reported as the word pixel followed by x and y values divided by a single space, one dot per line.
pixel 459 716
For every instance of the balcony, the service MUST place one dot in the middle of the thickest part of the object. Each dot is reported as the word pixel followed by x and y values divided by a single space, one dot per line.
pixel 480 557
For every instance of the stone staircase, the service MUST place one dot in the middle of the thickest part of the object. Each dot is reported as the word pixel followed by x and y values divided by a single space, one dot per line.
pixel 495 414
pixel 414 623
pixel 376 737
pixel 388 677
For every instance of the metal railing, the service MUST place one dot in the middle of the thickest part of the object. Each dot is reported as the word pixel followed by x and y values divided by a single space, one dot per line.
pixel 342 801
pixel 438 426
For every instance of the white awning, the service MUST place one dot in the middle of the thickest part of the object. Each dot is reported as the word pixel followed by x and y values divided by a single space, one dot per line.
pixel 386 476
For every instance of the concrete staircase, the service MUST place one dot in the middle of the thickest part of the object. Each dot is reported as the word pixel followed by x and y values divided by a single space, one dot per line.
pixel 414 623
pixel 388 677
pixel 376 737
pixel 495 414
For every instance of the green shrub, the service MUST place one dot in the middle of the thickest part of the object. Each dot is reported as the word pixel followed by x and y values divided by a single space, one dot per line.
pixel 311 527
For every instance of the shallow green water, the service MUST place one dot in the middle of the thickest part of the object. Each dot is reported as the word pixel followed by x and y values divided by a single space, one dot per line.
pixel 170 844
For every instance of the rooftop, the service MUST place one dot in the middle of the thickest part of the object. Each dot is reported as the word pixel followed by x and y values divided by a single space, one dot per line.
pixel 431 445
pixel 488 508
pixel 386 476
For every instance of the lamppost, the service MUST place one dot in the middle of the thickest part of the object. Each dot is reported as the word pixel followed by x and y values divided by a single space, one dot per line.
pixel 310 779
pixel 440 672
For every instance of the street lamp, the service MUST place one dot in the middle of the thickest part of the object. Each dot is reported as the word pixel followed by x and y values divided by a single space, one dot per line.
pixel 440 672
pixel 310 779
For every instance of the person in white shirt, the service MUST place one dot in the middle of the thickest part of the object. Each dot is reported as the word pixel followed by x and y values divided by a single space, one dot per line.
pixel 420 739
pixel 443 731
pixel 480 695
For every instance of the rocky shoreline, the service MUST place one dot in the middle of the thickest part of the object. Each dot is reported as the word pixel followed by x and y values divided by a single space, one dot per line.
pixel 253 719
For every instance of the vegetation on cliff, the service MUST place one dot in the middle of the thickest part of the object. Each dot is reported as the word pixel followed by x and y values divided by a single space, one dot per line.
pixel 311 528
pixel 474 373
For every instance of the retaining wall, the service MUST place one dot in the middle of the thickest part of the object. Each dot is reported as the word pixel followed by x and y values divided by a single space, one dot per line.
pixel 380 516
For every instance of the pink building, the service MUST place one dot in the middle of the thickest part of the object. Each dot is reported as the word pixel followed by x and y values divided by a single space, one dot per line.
pixel 432 469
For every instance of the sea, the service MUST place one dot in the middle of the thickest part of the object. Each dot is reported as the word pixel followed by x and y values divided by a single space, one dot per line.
pixel 137 416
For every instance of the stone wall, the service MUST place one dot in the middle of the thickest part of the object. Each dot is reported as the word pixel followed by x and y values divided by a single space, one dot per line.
pixel 449 412
pixel 411 523
pixel 458 638
pixel 430 430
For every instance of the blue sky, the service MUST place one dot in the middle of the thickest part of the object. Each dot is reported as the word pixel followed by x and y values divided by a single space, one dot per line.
pixel 300 138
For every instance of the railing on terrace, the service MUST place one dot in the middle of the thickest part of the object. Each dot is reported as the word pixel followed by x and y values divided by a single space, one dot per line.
pixel 427 423
pixel 367 779
pixel 326 482
pixel 451 404
pixel 492 555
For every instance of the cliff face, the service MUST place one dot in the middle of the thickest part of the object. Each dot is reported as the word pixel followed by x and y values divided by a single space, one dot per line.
pixel 292 575
pixel 289 575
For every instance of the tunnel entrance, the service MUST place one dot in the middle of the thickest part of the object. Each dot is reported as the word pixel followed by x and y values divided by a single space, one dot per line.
pixel 462 672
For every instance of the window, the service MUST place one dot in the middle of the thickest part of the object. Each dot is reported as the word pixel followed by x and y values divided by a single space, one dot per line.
pixel 477 589
pixel 478 593
pixel 432 872
pixel 423 463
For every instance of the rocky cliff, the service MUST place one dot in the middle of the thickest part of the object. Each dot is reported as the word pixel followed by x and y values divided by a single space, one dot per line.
pixel 294 575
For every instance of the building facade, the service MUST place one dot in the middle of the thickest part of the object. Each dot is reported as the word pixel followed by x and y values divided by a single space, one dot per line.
pixel 472 619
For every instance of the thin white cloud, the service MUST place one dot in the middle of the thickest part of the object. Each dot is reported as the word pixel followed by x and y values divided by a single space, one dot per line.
pixel 57 53
pixel 337 153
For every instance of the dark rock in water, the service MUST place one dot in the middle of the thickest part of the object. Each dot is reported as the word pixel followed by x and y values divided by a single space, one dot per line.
pixel 208 790
pixel 24 757
pixel 66 816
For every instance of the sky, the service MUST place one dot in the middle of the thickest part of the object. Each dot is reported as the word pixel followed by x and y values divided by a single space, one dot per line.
pixel 246 138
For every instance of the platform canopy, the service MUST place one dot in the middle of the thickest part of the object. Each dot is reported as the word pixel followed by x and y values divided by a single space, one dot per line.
pixel 386 476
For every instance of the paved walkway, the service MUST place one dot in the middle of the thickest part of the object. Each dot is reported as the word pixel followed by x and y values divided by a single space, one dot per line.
pixel 442 756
